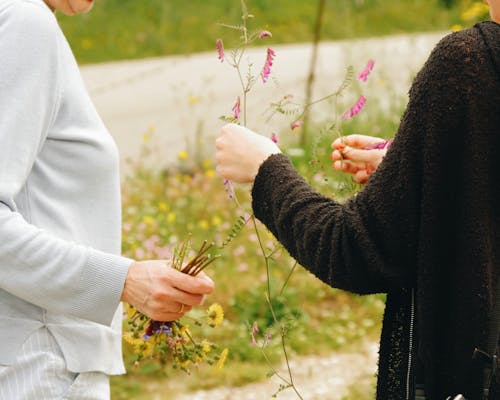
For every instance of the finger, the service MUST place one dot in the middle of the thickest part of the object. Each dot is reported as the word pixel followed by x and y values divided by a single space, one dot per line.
pixel 170 298
pixel 361 176
pixel 336 155
pixel 347 166
pixel 190 284
pixel 360 141
pixel 360 155
pixel 202 275
pixel 338 144
pixel 181 308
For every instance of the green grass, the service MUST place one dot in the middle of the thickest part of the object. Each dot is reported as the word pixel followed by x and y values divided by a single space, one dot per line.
pixel 127 29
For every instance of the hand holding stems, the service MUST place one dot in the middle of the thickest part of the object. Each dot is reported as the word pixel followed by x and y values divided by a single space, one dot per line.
pixel 162 292
pixel 240 152
pixel 358 155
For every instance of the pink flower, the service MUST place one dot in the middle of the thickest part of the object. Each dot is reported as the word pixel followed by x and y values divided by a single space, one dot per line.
pixel 253 332
pixel 237 109
pixel 220 49
pixel 363 75
pixel 267 338
pixel 355 109
pixel 264 34
pixel 296 124
pixel 266 71
pixel 229 188
pixel 274 137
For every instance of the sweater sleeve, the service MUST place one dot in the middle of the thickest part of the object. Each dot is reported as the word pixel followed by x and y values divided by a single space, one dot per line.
pixel 370 244
pixel 35 265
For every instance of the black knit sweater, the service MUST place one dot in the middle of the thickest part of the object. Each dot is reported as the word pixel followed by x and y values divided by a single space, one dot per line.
pixel 425 229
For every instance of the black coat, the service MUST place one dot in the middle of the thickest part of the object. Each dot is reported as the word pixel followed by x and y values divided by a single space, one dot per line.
pixel 425 229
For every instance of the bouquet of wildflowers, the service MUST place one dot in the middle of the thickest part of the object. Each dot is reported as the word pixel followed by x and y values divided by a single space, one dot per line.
pixel 172 341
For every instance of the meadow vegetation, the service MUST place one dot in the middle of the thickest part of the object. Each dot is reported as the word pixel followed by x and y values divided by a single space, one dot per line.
pixel 161 208
pixel 127 29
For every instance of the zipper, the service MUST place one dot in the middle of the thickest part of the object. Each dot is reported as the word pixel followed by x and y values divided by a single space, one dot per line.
pixel 410 345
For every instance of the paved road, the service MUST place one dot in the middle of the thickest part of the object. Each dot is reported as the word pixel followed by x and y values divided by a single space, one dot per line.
pixel 181 97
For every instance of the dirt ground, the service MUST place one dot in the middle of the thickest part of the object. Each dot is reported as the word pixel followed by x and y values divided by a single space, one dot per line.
pixel 333 377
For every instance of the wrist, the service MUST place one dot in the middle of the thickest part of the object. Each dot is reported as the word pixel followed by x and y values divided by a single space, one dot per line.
pixel 125 296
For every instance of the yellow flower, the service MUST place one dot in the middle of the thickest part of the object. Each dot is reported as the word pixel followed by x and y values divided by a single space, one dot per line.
pixel 163 206
pixel 215 315
pixel 149 220
pixel 216 220
pixel 183 329
pixel 203 224
pixel 210 173
pixel 207 163
pixel 140 345
pixel 222 358
pixel 130 311
pixel 146 137
pixel 475 11
pixel 171 217
pixel 183 155
pixel 456 28
pixel 146 348
pixel 206 347
pixel 203 353
pixel 87 44
pixel 130 339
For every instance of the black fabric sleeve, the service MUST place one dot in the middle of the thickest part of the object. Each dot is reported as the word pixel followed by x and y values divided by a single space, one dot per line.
pixel 371 243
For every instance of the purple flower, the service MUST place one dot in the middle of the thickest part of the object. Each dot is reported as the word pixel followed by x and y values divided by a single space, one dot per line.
pixel 164 328
pixel 274 137
pixel 237 109
pixel 220 49
pixel 229 188
pixel 355 109
pixel 363 75
pixel 385 144
pixel 264 34
pixel 266 71
pixel 267 339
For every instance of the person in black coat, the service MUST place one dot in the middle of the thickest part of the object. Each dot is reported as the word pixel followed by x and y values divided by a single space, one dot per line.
pixel 425 229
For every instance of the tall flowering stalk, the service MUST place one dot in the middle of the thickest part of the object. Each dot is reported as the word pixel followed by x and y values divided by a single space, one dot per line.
pixel 246 84
pixel 287 106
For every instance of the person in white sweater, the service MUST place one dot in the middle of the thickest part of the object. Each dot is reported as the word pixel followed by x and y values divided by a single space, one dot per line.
pixel 61 273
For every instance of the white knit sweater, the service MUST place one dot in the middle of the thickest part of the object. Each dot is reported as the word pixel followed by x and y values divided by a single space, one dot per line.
pixel 59 199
